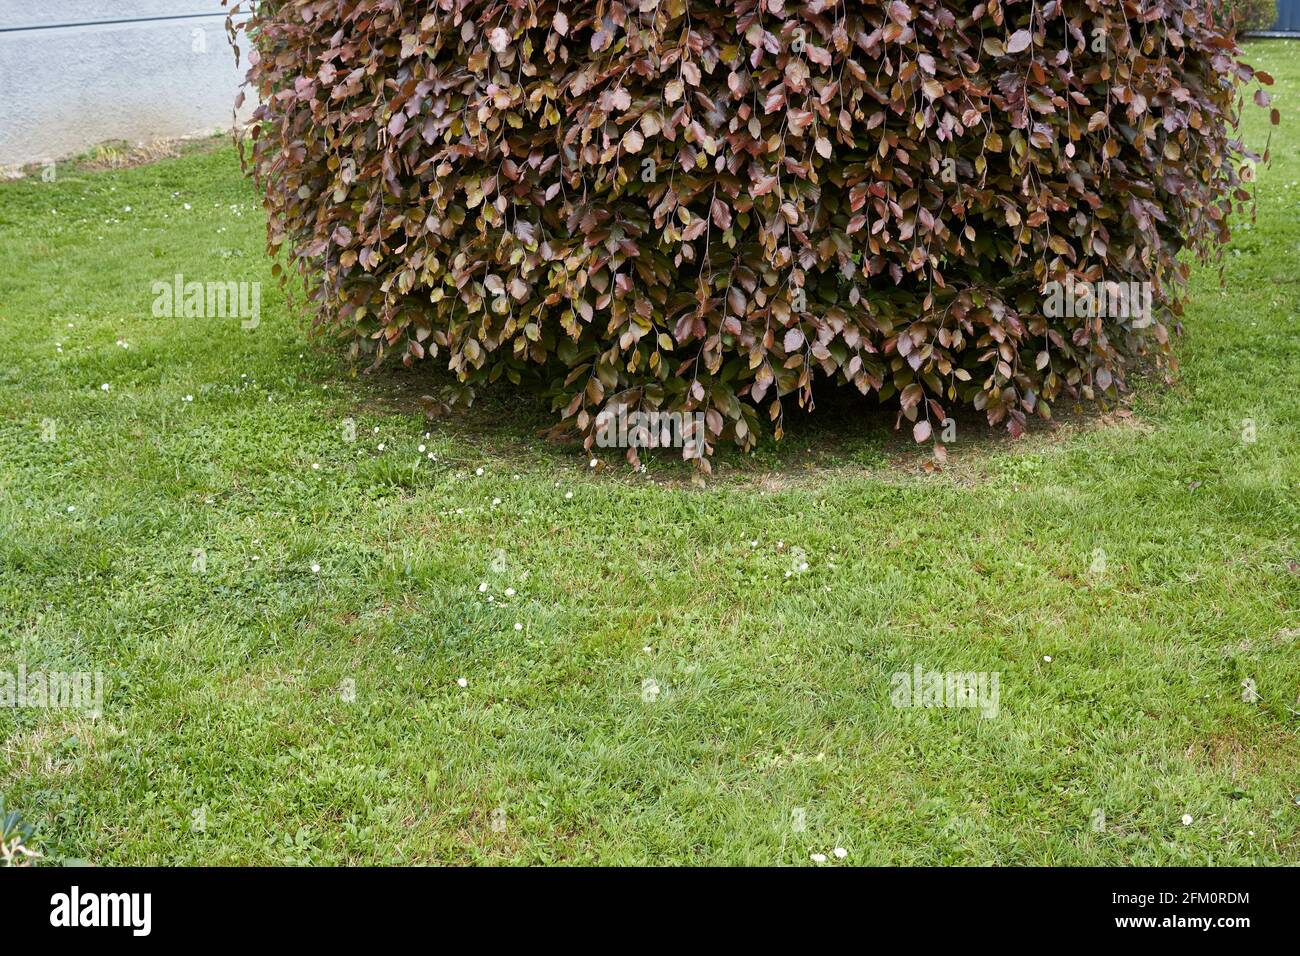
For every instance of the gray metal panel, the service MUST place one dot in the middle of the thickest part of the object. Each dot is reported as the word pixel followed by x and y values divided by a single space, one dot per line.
pixel 1288 17
pixel 26 13
pixel 67 89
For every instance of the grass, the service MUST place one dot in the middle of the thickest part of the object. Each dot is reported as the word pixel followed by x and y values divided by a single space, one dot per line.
pixel 1123 575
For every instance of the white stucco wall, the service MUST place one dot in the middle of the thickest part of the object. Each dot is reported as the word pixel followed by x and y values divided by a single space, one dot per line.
pixel 69 80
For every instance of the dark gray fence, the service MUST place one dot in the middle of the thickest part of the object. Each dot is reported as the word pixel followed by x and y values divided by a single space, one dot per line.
pixel 1288 17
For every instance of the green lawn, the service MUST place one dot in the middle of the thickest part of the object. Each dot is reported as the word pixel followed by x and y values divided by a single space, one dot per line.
pixel 316 716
